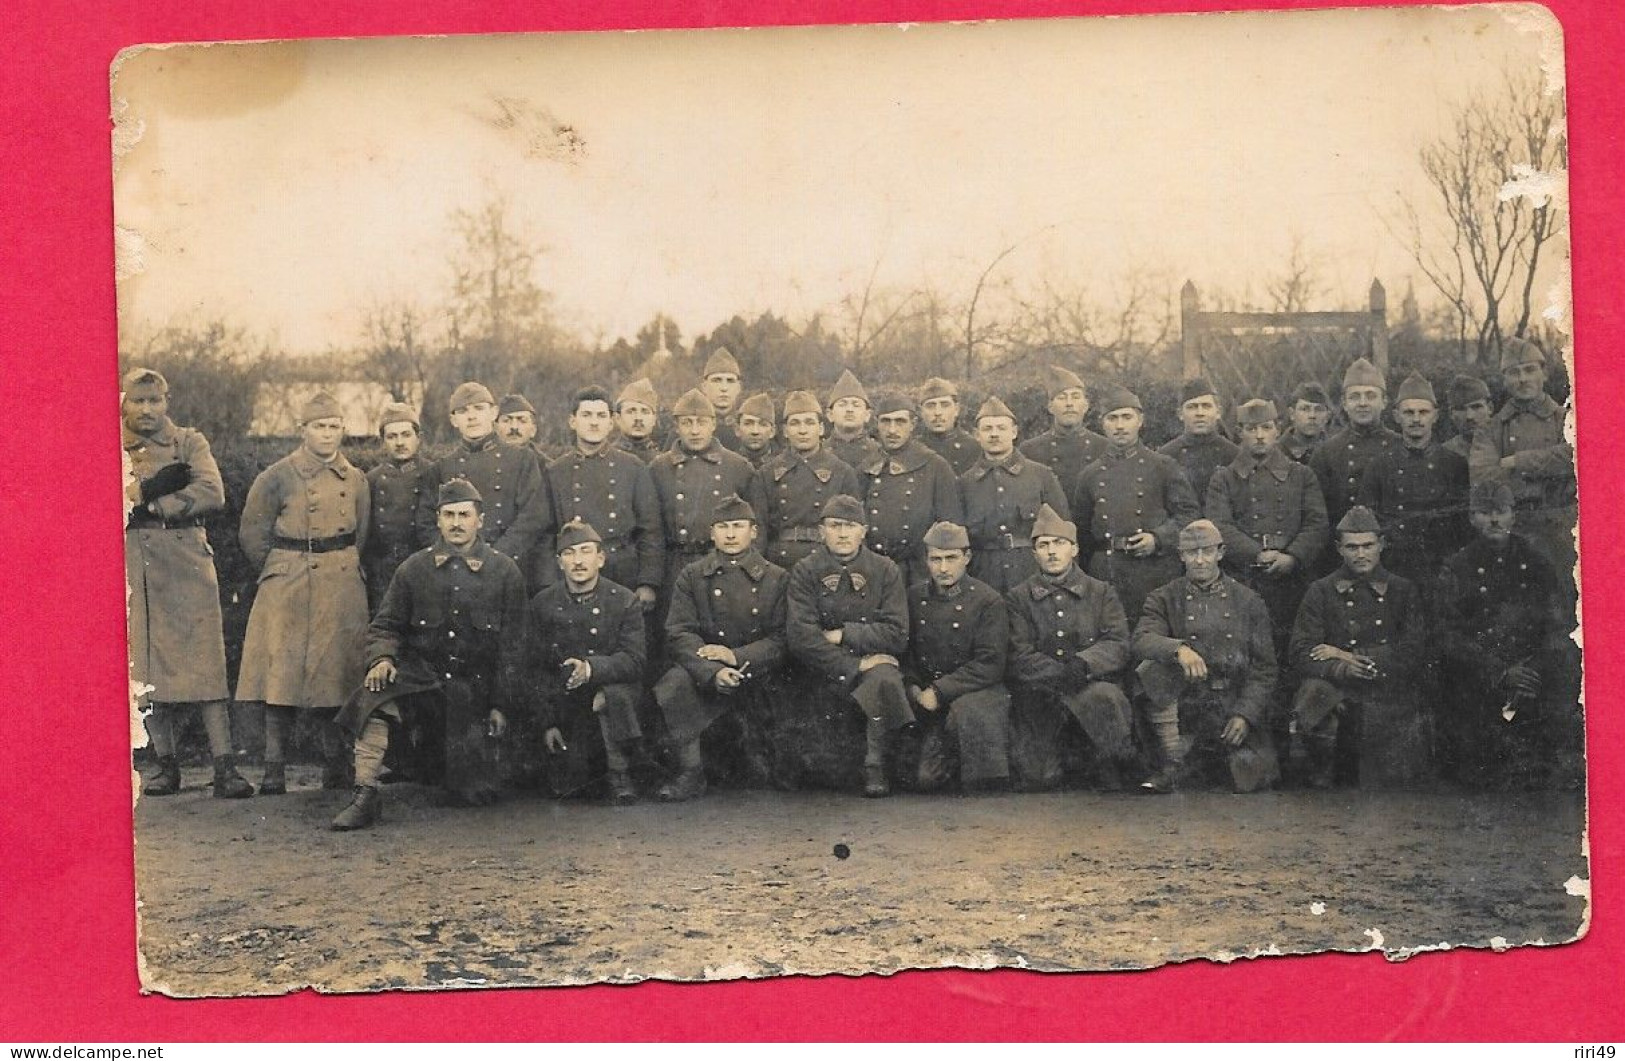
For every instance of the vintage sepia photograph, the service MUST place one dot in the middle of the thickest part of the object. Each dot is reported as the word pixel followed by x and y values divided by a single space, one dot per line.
pixel 1065 495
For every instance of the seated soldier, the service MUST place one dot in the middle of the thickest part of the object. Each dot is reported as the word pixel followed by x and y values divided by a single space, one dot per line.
pixel 848 623
pixel 444 651
pixel 1068 639
pixel 586 655
pixel 1207 667
pixel 958 641
pixel 725 638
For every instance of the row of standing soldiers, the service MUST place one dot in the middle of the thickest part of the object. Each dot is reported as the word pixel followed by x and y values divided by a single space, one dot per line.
pixel 327 538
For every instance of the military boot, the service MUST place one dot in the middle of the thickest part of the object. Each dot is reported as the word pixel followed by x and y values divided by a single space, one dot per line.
pixel 228 783
pixel 690 780
pixel 1164 781
pixel 875 785
pixel 363 811
pixel 621 791
pixel 274 781
pixel 167 781
pixel 337 770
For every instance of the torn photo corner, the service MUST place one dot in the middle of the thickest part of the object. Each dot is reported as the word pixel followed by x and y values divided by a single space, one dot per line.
pixel 1153 448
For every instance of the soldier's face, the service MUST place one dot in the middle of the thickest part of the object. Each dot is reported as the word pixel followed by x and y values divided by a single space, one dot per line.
pixel 695 432
pixel 1260 437
pixel 636 420
pixel 1309 419
pixel 581 563
pixel 947 566
pixel 1360 552
pixel 145 407
pixel 1494 525
pixel 997 435
pixel 842 537
pixel 733 536
pixel 803 431
pixel 516 429
pixel 322 437
pixel 895 429
pixel 1069 407
pixel 939 414
pixel 723 390
pixel 1525 382
pixel 401 440
pixel 1200 415
pixel 474 421
pixel 1122 426
pixel 1202 562
pixel 592 422
pixel 849 414
pixel 1363 404
pixel 460 523
pixel 1470 417
pixel 755 433
pixel 1416 417
pixel 1054 555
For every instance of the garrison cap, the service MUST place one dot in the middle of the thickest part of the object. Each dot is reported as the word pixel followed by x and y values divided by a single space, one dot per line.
pixel 732 507
pixel 1489 495
pixel 1200 533
pixel 994 407
pixel 574 533
pixel 1359 520
pixel 1257 411
pixel 1116 398
pixel 847 387
pixel 1049 524
pixel 893 402
pixel 946 535
pixel 145 377
pixel 1415 388
pixel 845 506
pixel 693 403
pixel 1516 351
pixel 1465 390
pixel 1311 392
pixel 1196 388
pixel 1058 379
pixel 468 394
pixel 396 413
pixel 799 402
pixel 937 387
pixel 456 491
pixel 721 361
pixel 515 403
pixel 641 392
pixel 320 406
pixel 758 405
pixel 1364 374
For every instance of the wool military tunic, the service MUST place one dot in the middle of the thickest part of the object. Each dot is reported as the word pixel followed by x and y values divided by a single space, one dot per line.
pixel 859 452
pixel 403 518
pixel 1460 445
pixel 1199 456
pixel 644 449
pixel 1125 493
pixel 1276 504
pixel 759 457
pixel 604 627
pixel 176 645
pixel 905 493
pixel 689 485
pixel 1297 447
pixel 954 445
pixel 517 506
pixel 798 486
pixel 1340 462
pixel 959 640
pixel 300 525
pixel 1227 625
pixel 615 493
pixel 1542 476
pixel 1066 453
pixel 1420 498
pixel 865 599
pixel 1002 500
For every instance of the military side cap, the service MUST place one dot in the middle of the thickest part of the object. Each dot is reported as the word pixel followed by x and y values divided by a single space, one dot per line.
pixel 732 507
pixel 994 407
pixel 721 361
pixel 1196 388
pixel 848 387
pixel 1490 495
pixel 574 533
pixel 847 507
pixel 1118 398
pixel 145 377
pixel 1516 351
pixel 1464 390
pixel 759 406
pixel 456 491
pixel 1257 411
pixel 937 387
pixel 396 413
pixel 1049 524
pixel 641 392
pixel 946 535
pixel 1359 520
pixel 798 402
pixel 1058 379
pixel 892 402
pixel 1199 534
pixel 1364 374
pixel 1415 388
pixel 1311 392
pixel 693 403
pixel 468 394
pixel 515 403
pixel 320 406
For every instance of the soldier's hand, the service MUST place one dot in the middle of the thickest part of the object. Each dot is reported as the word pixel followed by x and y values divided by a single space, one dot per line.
pixel 729 679
pixel 1235 731
pixel 647 596
pixel 580 672
pixel 1276 562
pixel 832 636
pixel 718 654
pixel 1191 662
pixel 1509 462
pixel 1365 668
pixel 1323 653
pixel 876 660
pixel 553 740
pixel 496 723
pixel 381 674
pixel 929 700
pixel 166 480
pixel 1141 544
pixel 1523 678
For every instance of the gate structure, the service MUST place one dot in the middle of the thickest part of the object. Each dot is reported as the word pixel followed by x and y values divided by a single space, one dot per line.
pixel 1266 355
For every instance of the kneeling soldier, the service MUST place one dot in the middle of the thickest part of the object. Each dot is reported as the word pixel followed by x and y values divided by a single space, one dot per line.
pixel 848 622
pixel 447 642
pixel 1208 667
pixel 725 637
pixel 958 639
pixel 1068 637
pixel 586 653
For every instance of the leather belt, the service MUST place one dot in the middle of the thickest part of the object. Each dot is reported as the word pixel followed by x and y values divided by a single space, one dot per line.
pixel 802 534
pixel 143 520
pixel 314 545
pixel 1001 542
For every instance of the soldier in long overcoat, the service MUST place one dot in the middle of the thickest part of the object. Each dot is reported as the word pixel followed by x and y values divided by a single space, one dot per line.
pixel 1339 463
pixel 177 651
pixel 1468 399
pixel 1003 492
pixel 799 481
pixel 939 413
pixel 907 491
pixel 1067 447
pixel 403 492
pixel 1200 449
pixel 300 526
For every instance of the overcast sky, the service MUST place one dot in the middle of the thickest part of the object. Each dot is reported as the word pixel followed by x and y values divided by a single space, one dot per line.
pixel 283 187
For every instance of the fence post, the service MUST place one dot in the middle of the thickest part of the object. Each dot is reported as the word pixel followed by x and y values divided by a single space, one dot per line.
pixel 1189 340
pixel 1379 327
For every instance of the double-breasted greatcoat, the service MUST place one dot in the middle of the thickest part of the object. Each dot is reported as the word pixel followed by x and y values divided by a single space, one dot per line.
pixel 1002 499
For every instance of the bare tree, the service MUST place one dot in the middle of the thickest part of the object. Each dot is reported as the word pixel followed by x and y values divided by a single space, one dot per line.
pixel 1299 285
pixel 394 350
pixel 495 297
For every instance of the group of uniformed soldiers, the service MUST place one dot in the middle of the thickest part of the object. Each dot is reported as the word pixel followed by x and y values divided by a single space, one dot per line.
pixel 862 573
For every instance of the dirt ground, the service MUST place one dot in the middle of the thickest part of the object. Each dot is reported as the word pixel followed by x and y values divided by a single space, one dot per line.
pixel 257 897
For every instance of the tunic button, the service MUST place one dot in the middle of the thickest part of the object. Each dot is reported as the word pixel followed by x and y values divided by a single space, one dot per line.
pixel 592 630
